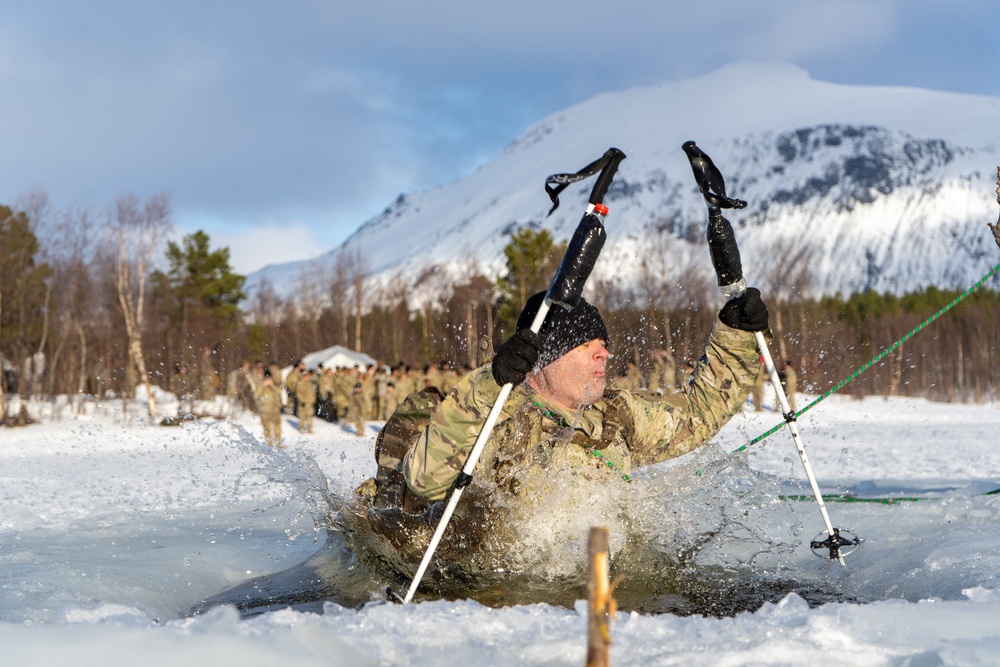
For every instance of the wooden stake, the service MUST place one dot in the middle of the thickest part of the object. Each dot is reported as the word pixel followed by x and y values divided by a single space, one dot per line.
pixel 601 605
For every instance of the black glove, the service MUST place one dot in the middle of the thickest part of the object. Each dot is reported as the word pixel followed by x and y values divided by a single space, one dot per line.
pixel 517 357
pixel 746 312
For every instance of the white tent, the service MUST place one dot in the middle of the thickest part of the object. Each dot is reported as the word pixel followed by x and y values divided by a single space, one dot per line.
pixel 338 356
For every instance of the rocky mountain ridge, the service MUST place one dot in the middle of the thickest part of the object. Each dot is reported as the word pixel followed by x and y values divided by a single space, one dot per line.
pixel 877 188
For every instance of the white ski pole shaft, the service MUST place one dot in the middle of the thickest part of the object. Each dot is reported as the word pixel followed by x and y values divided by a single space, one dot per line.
pixel 786 410
pixel 565 290
pixel 470 466
pixel 729 269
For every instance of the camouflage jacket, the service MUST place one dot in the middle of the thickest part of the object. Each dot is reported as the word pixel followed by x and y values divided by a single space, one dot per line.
pixel 268 399
pixel 622 430
pixel 305 391
pixel 326 385
pixel 292 381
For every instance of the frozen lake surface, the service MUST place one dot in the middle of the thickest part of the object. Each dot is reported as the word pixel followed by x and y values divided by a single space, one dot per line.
pixel 111 530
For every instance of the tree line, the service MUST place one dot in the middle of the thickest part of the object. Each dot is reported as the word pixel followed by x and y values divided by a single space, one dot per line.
pixel 102 301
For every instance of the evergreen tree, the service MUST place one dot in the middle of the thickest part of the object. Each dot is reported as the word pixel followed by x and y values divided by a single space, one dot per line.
pixel 22 289
pixel 200 292
pixel 532 260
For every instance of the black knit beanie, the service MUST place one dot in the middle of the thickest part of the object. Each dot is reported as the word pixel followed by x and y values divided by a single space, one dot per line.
pixel 563 329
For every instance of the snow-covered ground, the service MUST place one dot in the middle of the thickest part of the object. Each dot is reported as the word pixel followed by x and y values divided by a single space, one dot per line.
pixel 110 530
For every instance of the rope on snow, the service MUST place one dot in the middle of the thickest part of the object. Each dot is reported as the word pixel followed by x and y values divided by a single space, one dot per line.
pixel 853 376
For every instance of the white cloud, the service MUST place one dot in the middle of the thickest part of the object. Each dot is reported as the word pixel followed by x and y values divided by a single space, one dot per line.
pixel 252 248
pixel 804 31
pixel 324 112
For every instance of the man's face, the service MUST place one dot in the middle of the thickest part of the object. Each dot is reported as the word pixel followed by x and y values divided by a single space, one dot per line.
pixel 576 379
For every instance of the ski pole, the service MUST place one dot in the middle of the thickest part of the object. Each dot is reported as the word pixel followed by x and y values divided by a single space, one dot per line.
pixel 565 292
pixel 729 269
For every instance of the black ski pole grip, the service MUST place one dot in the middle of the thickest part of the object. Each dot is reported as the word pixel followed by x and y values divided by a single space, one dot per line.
pixel 614 158
pixel 723 248
pixel 578 262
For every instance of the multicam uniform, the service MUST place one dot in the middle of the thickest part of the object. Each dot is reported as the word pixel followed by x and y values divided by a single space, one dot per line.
pixel 328 409
pixel 291 383
pixel 305 398
pixel 661 377
pixel 358 409
pixel 620 431
pixel 269 408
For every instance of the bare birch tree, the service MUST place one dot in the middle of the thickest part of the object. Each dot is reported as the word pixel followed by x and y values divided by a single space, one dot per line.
pixel 311 298
pixel 73 258
pixel 394 295
pixel 139 232
pixel 660 266
pixel 786 278
pixel 339 283
pixel 357 275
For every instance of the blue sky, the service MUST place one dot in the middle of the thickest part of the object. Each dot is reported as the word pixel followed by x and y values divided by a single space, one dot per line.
pixel 280 127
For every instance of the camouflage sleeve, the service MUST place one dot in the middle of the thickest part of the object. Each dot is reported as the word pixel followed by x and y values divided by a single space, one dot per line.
pixel 679 423
pixel 433 463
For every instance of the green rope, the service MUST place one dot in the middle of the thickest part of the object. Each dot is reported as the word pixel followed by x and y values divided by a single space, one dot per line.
pixel 593 452
pixel 611 464
pixel 853 376
pixel 848 498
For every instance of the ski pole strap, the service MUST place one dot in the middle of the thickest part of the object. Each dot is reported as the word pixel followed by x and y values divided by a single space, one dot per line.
pixel 709 179
pixel 608 163
pixel 853 376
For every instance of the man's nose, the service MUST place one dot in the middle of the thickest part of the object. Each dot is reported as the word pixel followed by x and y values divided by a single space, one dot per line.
pixel 601 352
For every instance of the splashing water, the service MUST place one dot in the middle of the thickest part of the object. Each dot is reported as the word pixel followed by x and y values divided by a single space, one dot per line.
pixel 703 535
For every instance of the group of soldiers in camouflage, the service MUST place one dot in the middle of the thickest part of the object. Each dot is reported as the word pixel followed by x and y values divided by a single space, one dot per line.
pixel 346 395
pixel 789 383
pixel 660 378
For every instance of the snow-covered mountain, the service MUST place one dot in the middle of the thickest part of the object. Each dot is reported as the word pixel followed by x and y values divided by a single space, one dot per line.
pixel 890 187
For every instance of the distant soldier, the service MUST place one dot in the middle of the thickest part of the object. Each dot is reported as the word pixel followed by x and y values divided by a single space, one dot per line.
pixel 368 392
pixel 305 397
pixel 256 375
pixel 234 379
pixel 240 387
pixel 633 377
pixel 662 379
pixel 342 386
pixel 275 370
pixel 790 383
pixel 326 386
pixel 381 390
pixel 403 381
pixel 430 378
pixel 269 408
pixel 392 399
pixel 291 382
pixel 358 406
pixel 449 378
pixel 619 381
pixel 758 392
